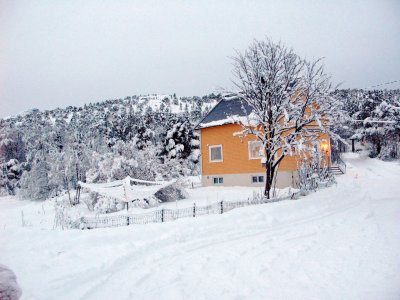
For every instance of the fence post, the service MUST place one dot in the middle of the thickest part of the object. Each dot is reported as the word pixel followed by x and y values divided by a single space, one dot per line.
pixel 222 207
pixel 162 214
pixel 127 220
pixel 194 210
pixel 82 223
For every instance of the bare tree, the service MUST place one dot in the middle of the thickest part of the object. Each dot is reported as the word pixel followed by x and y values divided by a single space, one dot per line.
pixel 289 98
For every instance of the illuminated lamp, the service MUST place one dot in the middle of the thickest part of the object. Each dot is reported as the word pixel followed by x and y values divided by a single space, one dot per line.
pixel 324 146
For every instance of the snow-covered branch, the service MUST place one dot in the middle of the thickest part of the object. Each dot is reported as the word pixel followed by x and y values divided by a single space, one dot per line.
pixel 289 98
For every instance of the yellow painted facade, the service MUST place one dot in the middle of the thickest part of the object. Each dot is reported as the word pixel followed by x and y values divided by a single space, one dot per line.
pixel 235 152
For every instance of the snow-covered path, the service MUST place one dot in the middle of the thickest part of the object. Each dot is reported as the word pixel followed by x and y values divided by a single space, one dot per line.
pixel 339 243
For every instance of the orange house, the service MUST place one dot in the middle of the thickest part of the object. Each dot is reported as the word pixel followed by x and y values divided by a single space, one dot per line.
pixel 230 160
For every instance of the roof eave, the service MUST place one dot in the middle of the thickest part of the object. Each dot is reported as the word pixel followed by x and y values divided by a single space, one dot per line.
pixel 197 127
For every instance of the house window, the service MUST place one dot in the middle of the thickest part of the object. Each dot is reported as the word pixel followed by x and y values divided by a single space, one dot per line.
pixel 218 180
pixel 215 153
pixel 256 150
pixel 257 179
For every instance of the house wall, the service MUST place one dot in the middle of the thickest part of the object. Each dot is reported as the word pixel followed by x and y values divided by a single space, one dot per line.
pixel 236 165
pixel 284 179
pixel 235 152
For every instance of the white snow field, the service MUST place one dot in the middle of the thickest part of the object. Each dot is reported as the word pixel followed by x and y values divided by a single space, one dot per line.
pixel 342 242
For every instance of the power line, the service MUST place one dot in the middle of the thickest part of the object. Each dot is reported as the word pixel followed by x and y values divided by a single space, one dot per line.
pixel 385 83
pixel 375 121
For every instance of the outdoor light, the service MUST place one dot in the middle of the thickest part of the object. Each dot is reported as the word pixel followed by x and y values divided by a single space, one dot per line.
pixel 324 146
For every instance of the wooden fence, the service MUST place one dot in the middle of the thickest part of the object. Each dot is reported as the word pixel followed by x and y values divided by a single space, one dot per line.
pixel 167 215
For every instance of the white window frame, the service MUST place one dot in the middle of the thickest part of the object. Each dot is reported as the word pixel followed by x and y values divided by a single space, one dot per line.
pixel 218 179
pixel 209 153
pixel 249 149
pixel 258 179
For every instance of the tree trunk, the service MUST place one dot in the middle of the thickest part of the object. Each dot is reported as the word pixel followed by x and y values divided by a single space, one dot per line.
pixel 270 172
pixel 69 194
pixel 378 147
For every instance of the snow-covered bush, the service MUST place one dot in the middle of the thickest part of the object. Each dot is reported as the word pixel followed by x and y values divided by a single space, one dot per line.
pixel 106 204
pixel 101 204
pixel 257 197
pixel 313 171
pixel 9 288
pixel 10 174
pixel 390 151
pixel 35 183
pixel 305 182
pixel 90 200
pixel 64 212
pixel 172 193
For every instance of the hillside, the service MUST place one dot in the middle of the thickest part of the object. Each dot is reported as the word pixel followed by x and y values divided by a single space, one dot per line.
pixel 45 153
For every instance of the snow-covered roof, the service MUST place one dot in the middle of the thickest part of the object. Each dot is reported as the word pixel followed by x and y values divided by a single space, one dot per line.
pixel 227 111
pixel 128 189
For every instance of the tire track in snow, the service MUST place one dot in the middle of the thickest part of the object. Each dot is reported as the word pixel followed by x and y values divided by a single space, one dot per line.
pixel 189 250
pixel 192 247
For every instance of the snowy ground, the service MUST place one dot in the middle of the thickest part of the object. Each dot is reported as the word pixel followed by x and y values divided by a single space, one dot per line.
pixel 339 243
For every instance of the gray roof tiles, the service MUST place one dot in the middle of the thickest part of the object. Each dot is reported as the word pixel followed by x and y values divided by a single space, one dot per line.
pixel 223 110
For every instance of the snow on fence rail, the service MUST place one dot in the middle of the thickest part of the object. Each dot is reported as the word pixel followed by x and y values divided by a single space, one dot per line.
pixel 167 215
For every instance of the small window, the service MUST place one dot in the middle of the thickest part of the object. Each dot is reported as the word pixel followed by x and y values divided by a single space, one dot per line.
pixel 215 153
pixel 218 180
pixel 255 150
pixel 257 179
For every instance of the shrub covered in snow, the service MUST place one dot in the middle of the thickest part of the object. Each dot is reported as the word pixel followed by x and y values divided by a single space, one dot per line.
pixel 9 288
pixel 12 171
pixel 172 193
pixel 103 204
pixel 313 171
pixel 90 200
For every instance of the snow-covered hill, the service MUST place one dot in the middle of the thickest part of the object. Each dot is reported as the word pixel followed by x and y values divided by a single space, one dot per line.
pixel 44 153
pixel 339 243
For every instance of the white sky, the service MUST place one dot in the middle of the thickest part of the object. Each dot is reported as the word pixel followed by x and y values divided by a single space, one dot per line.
pixel 61 53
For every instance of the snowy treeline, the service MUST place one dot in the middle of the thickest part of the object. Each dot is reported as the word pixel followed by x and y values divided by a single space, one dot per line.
pixel 45 153
pixel 372 117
